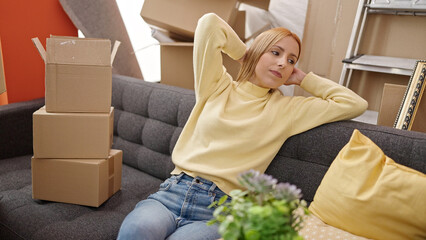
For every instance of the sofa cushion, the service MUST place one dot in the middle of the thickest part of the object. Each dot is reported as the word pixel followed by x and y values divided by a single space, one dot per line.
pixel 366 193
pixel 22 217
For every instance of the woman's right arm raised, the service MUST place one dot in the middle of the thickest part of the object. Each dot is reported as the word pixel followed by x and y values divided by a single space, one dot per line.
pixel 212 36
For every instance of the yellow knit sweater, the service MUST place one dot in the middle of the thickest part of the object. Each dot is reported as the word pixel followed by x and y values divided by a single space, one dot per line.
pixel 236 127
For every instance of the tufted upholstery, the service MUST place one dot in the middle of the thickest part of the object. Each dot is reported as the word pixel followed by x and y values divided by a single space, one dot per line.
pixel 147 122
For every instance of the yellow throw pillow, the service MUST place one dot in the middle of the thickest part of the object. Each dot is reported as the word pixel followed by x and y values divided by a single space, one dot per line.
pixel 366 193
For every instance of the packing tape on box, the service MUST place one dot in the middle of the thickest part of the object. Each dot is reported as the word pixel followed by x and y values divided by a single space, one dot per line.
pixel 111 174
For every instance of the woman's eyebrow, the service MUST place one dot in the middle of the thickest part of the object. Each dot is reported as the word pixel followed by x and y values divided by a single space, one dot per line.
pixel 282 49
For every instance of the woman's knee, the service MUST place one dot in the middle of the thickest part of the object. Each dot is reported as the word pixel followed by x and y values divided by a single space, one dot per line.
pixel 135 230
pixel 130 230
pixel 149 220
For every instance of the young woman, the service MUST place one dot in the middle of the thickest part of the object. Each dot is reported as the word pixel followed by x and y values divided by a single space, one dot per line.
pixel 235 126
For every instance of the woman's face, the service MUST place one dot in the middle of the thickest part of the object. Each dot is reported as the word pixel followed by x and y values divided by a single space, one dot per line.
pixel 276 65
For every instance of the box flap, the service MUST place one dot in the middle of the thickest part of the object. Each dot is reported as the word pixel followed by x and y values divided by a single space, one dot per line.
pixel 175 44
pixel 80 51
pixel 164 35
pixel 114 50
pixel 2 75
pixel 39 47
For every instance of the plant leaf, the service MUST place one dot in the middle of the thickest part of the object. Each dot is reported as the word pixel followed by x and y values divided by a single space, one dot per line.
pixel 223 199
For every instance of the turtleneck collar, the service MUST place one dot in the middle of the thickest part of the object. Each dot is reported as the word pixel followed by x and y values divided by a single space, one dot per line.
pixel 253 89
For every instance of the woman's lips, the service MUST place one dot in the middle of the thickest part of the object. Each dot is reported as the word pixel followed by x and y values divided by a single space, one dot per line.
pixel 276 73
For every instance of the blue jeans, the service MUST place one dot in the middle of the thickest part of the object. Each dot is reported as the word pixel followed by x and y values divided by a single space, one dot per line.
pixel 177 211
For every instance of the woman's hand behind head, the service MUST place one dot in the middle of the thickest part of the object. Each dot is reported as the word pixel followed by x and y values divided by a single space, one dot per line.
pixel 296 77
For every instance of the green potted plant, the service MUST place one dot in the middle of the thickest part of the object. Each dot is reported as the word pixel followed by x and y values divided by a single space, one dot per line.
pixel 265 211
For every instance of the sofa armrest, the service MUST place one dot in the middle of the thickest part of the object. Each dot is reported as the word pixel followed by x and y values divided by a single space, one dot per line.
pixel 16 135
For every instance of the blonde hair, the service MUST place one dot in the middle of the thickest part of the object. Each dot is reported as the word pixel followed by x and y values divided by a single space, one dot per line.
pixel 260 45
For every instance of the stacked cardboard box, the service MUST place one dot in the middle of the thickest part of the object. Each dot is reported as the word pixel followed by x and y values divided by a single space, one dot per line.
pixel 174 23
pixel 72 134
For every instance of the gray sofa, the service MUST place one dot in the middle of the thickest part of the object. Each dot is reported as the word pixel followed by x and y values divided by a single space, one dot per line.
pixel 148 120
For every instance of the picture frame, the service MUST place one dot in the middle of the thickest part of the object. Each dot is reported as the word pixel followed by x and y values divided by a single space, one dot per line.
pixel 412 97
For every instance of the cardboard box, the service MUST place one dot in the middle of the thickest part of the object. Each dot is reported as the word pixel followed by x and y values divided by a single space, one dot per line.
pixel 263 4
pixel 87 182
pixel 2 76
pixel 177 64
pixel 181 16
pixel 177 57
pixel 239 25
pixel 165 36
pixel 391 102
pixel 72 135
pixel 78 74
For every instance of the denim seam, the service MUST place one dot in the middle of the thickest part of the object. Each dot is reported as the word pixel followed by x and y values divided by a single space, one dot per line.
pixel 185 203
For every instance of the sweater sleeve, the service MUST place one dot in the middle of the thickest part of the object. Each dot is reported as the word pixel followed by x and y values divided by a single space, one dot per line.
pixel 330 102
pixel 212 36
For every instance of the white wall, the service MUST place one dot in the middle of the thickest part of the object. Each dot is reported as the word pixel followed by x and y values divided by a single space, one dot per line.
pixel 146 48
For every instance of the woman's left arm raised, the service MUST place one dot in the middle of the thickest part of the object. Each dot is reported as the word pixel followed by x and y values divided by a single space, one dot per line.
pixel 330 102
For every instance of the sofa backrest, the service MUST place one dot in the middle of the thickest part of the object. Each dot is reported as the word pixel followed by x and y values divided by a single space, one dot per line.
pixel 304 158
pixel 149 118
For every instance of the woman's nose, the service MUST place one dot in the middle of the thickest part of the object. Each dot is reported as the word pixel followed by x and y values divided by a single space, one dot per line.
pixel 281 62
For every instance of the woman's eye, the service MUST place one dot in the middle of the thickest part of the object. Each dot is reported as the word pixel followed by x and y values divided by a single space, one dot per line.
pixel 275 53
pixel 291 61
